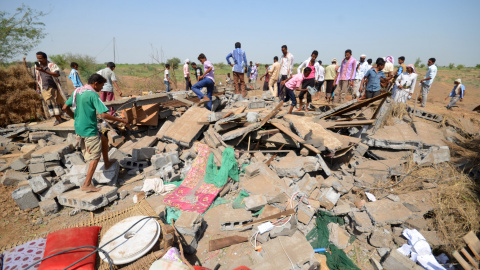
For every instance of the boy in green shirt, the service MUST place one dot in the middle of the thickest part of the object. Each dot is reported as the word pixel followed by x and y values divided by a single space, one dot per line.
pixel 86 103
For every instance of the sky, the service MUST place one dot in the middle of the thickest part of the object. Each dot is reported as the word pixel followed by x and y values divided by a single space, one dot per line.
pixel 446 30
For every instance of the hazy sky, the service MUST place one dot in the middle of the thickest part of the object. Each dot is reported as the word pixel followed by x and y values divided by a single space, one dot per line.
pixel 446 30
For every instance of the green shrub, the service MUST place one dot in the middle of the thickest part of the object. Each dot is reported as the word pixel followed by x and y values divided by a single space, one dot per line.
pixel 451 66
pixel 460 67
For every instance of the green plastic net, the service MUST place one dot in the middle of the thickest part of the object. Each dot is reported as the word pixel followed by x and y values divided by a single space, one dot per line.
pixel 239 201
pixel 174 213
pixel 229 168
pixel 318 238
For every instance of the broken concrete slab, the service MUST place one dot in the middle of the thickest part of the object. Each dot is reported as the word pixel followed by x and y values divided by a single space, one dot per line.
pixel 384 212
pixel 189 223
pixel 255 202
pixel 338 236
pixel 398 261
pixel 233 219
pixel 39 184
pixel 433 155
pixel 381 238
pixel 18 164
pixel 295 166
pixel 13 178
pixel 186 129
pixel 383 154
pixel 88 201
pixel 161 160
pixel 25 198
pixel 142 154
pixel 48 207
pixel 146 141
pixel 329 198
pixel 362 222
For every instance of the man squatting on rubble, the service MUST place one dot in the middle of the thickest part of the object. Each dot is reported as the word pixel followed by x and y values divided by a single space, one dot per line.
pixel 293 84
pixel 85 103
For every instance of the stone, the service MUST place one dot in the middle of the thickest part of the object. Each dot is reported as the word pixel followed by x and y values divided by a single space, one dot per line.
pixel 39 184
pixel 362 222
pixel 61 187
pixel 381 238
pixel 384 212
pixel 36 167
pixel 59 171
pixel 329 198
pixel 18 164
pixel 13 178
pixel 255 202
pixel 48 207
pixel 397 261
pixel 161 160
pixel 51 165
pixel 186 129
pixel 88 201
pixel 252 170
pixel 171 147
pixel 73 159
pixel 283 251
pixel 143 154
pixel 51 156
pixel 338 236
pixel 25 198
pixel 285 230
pixel 304 152
pixel 189 223
pixel 122 194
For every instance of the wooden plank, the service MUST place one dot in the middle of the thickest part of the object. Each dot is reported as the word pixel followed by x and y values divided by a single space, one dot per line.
pixel 377 111
pixel 268 132
pixel 358 105
pixel 469 258
pixel 184 100
pixel 472 241
pixel 461 261
pixel 240 110
pixel 295 137
pixel 225 242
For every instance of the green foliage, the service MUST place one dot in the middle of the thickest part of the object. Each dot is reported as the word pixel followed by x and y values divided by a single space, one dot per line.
pixel 20 32
pixel 220 65
pixel 174 62
pixel 422 65
pixel 460 66
pixel 451 66
pixel 477 66
pixel 418 62
pixel 86 64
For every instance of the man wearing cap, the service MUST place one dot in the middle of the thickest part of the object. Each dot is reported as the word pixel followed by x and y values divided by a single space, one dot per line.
pixel 362 69
pixel 456 94
pixel 330 74
pixel 345 77
pixel 239 63
pixel 186 74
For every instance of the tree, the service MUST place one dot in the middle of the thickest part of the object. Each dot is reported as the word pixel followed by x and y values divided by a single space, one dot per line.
pixel 174 62
pixel 477 66
pixel 460 66
pixel 418 61
pixel 451 66
pixel 86 64
pixel 20 32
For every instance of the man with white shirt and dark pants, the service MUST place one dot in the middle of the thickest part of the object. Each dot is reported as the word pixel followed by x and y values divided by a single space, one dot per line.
pixel 426 83
pixel 286 68
pixel 362 69
pixel 310 80
pixel 320 79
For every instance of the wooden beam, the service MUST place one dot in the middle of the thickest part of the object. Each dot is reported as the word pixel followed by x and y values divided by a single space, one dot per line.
pixel 295 137
pixel 358 105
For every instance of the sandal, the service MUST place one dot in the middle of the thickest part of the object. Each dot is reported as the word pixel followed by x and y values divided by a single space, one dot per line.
pixel 56 123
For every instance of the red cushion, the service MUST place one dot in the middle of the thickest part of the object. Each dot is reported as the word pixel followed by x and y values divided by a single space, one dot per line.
pixel 67 239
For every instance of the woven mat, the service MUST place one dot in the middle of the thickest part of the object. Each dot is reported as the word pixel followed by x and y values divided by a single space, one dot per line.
pixel 106 221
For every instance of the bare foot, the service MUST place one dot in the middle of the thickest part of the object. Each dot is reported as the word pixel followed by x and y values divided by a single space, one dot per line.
pixel 109 164
pixel 90 188
pixel 299 109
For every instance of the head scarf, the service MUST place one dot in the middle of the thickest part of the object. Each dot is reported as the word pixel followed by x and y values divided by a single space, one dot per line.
pixel 389 59
pixel 458 81
pixel 412 67
pixel 187 61
pixel 363 55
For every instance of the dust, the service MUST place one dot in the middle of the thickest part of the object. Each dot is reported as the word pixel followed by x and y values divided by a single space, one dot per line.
pixel 19 102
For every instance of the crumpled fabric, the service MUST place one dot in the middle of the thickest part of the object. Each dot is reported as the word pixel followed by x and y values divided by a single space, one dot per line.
pixel 156 185
pixel 229 168
pixel 419 250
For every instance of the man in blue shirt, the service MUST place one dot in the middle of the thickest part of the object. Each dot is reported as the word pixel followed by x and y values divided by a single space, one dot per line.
pixel 74 77
pixel 372 79
pixel 457 93
pixel 428 80
pixel 239 63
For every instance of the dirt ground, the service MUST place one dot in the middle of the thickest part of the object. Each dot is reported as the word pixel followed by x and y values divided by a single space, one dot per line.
pixel 17 225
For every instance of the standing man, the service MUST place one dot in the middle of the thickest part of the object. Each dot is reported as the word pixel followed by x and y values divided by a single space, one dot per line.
pixel 74 77
pixel 369 61
pixel 428 80
pixel 249 71
pixel 267 79
pixel 362 69
pixel 274 72
pixel 310 80
pixel 238 68
pixel 107 92
pixel 388 69
pixel 320 79
pixel 345 77
pixel 373 78
pixel 186 74
pixel 166 79
pixel 253 76
pixel 86 104
pixel 197 70
pixel 286 69
pixel 46 75
pixel 207 80
pixel 330 75
pixel 401 65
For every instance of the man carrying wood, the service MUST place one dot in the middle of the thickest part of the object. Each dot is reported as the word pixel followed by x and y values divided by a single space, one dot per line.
pixel 293 84
pixel 86 103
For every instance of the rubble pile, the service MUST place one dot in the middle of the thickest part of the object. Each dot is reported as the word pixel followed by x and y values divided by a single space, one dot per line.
pixel 341 161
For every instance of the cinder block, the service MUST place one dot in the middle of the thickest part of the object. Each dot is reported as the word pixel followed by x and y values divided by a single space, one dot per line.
pixel 48 207
pixel 36 167
pixel 256 104
pixel 51 156
pixel 39 184
pixel 161 160
pixel 255 202
pixel 143 154
pixel 189 223
pixel 88 201
pixel 51 165
pixel 18 164
pixel 106 176
pixel 171 147
pixel 12 178
pixel 74 158
pixel 129 163
pixel 59 171
pixel 25 198
pixel 62 186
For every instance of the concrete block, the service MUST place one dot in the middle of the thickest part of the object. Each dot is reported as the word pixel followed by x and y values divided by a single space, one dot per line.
pixel 143 154
pixel 256 104
pixel 106 176
pixel 255 202
pixel 18 164
pixel 52 156
pixel 329 198
pixel 62 186
pixel 114 153
pixel 305 214
pixel 13 178
pixel 161 160
pixel 171 147
pixel 189 223
pixel 77 174
pixel 381 238
pixel 25 198
pixel 39 184
pixel 59 171
pixel 88 201
pixel 129 163
pixel 74 158
pixel 48 207
pixel 36 167
pixel 56 139
pixel 397 261
pixel 295 166
pixel 362 222
pixel 383 212
pixel 161 132
pixel 161 147
pixel 231 219
pixel 253 170
pixel 338 236
pixel 434 155
pixel 51 165
pixel 286 230
pixel 191 242
pixel 35 136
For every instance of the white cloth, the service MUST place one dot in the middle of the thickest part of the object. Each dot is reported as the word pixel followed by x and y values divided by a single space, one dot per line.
pixel 80 91
pixel 321 74
pixel 167 72
pixel 362 70
pixel 419 250
pixel 408 80
pixel 286 65
pixel 156 185
pixel 306 63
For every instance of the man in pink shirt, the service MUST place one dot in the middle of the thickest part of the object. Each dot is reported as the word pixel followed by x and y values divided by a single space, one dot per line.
pixel 293 84
pixel 345 77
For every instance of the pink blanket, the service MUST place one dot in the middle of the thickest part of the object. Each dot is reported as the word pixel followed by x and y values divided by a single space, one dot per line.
pixel 194 195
